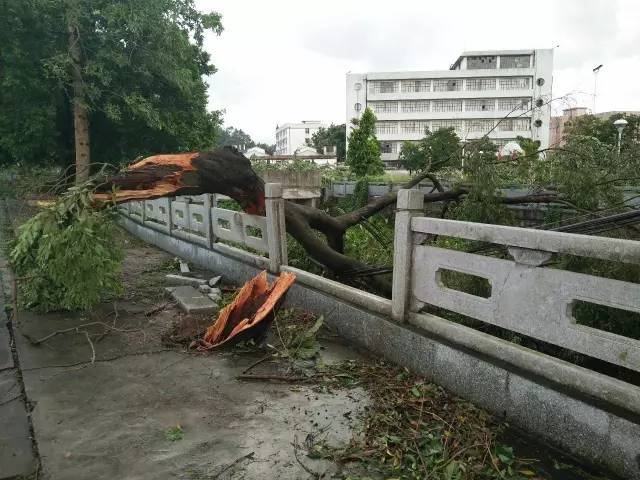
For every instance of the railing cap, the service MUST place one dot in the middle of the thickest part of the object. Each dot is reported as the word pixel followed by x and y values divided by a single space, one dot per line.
pixel 273 190
pixel 410 199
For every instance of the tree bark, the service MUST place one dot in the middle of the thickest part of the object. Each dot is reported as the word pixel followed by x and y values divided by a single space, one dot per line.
pixel 80 110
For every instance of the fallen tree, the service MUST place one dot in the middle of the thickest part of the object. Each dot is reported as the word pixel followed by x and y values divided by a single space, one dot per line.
pixel 226 171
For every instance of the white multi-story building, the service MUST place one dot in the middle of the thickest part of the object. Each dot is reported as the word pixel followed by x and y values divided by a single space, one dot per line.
pixel 502 93
pixel 290 136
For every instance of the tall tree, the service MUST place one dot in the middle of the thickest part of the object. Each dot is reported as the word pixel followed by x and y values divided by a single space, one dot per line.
pixel 235 137
pixel 118 79
pixel 334 135
pixel 604 130
pixel 363 155
pixel 433 152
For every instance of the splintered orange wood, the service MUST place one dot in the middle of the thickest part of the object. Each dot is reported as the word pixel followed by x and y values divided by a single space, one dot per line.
pixel 250 313
pixel 154 177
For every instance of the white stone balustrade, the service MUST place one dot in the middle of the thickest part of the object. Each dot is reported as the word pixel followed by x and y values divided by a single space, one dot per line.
pixel 197 218
pixel 525 296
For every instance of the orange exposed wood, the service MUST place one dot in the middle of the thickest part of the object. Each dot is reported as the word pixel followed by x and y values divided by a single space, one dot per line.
pixel 250 313
pixel 154 177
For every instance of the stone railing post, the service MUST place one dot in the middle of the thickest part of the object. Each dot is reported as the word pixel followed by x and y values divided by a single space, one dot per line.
pixel 170 215
pixel 206 219
pixel 276 229
pixel 410 204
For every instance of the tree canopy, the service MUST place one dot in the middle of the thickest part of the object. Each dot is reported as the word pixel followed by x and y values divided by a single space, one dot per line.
pixel 433 152
pixel 334 135
pixel 604 130
pixel 236 137
pixel 142 66
pixel 363 155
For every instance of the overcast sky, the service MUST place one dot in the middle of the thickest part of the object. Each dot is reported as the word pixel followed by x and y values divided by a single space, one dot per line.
pixel 284 61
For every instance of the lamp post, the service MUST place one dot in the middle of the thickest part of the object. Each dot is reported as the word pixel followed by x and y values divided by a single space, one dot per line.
pixel 595 85
pixel 620 124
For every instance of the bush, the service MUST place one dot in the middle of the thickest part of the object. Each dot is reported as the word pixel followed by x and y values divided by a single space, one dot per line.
pixel 67 255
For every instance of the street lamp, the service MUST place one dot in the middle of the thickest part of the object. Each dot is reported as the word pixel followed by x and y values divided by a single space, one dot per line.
pixel 620 124
pixel 595 85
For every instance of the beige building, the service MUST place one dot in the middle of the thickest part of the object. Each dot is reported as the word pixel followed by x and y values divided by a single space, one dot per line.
pixel 558 124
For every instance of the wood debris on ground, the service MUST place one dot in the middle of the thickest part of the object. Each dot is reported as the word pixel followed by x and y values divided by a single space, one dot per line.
pixel 250 314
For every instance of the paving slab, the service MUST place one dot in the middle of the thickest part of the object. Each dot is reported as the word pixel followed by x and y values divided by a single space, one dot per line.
pixel 16 453
pixel 173 279
pixel 191 300
pixel 6 357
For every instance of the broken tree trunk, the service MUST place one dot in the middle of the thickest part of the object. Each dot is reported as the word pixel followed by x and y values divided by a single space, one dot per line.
pixel 226 171
pixel 250 314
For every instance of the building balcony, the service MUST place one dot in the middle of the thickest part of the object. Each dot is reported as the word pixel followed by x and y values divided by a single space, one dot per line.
pixel 459 94
pixel 464 135
pixel 486 114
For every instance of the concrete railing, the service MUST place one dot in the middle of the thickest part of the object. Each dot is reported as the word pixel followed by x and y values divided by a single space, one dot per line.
pixel 525 297
pixel 198 219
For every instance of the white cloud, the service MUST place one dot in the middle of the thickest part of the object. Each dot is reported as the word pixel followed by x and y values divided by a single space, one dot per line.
pixel 286 60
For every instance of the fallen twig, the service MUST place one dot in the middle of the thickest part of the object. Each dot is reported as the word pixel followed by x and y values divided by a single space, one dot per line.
pixel 10 399
pixel 257 362
pixel 235 462
pixel 156 309
pixel 295 454
pixel 93 350
pixel 72 329
pixel 280 378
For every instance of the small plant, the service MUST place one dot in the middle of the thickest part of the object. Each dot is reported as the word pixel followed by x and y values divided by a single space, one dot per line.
pixel 297 333
pixel 174 434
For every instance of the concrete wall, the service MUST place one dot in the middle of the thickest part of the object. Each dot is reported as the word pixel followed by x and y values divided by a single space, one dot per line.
pixel 589 414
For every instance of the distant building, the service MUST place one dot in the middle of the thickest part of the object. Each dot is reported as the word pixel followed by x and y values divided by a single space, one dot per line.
pixel 473 96
pixel 255 152
pixel 291 136
pixel 558 124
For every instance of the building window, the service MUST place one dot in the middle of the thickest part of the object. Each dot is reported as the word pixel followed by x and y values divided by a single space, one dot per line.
pixel 416 126
pixel 513 104
pixel 384 107
pixel 386 127
pixel 306 131
pixel 515 83
pixel 388 147
pixel 413 86
pixel 447 105
pixel 480 105
pixel 481 63
pixel 477 84
pixel 501 142
pixel 415 106
pixel 444 85
pixel 482 126
pixel 515 61
pixel 457 125
pixel 514 125
pixel 383 87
